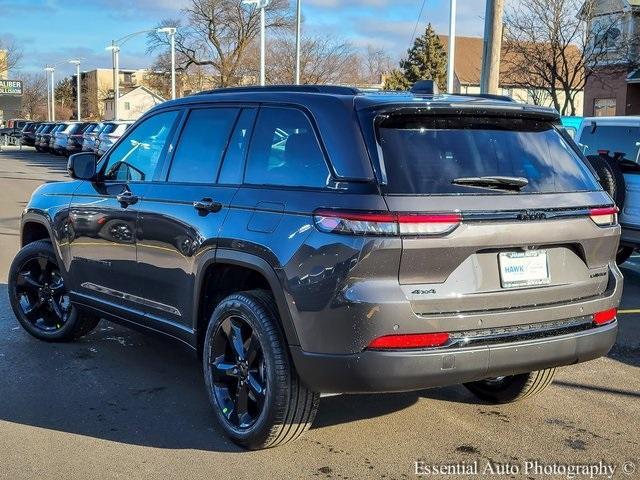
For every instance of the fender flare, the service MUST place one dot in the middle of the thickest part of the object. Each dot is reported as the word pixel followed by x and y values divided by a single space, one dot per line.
pixel 258 264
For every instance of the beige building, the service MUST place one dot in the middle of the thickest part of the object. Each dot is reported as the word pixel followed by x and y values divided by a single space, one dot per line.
pixel 133 102
pixel 468 69
pixel 97 85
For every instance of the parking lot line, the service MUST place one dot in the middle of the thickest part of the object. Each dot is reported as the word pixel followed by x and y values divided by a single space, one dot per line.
pixel 632 310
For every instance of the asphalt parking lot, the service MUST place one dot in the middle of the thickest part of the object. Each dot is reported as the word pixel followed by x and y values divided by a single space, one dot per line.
pixel 120 404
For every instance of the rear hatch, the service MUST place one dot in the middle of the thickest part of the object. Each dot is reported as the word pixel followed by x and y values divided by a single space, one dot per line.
pixel 500 210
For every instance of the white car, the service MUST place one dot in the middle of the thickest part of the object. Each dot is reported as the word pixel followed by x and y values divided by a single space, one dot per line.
pixel 612 145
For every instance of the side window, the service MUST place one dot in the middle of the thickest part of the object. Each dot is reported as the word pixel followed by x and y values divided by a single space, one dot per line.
pixel 137 156
pixel 285 151
pixel 202 144
pixel 232 167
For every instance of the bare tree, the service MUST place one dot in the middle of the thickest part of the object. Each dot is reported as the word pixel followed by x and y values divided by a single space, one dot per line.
pixel 322 60
pixel 218 34
pixel 376 63
pixel 554 45
pixel 10 56
pixel 34 95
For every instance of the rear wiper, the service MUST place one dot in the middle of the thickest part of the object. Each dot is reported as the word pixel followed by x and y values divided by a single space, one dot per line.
pixel 493 182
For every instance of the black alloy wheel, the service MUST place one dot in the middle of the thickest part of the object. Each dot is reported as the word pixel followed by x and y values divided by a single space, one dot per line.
pixel 41 294
pixel 238 372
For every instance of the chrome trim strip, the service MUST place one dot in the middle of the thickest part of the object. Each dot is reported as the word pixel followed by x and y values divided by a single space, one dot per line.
pixel 131 298
pixel 519 332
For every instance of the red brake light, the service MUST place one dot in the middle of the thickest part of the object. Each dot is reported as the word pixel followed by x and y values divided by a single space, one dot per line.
pixel 606 316
pixel 604 217
pixel 389 224
pixel 417 340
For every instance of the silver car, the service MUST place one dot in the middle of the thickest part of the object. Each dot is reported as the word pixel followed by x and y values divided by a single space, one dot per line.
pixel 109 135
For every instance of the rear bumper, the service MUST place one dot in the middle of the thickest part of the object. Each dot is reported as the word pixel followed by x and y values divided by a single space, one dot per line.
pixel 393 371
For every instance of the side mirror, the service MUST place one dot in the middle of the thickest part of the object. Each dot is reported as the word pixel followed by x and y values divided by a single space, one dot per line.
pixel 83 166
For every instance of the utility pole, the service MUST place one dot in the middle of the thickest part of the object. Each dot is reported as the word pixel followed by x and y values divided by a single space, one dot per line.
pixel 50 71
pixel 490 81
pixel 261 5
pixel 171 32
pixel 451 59
pixel 298 28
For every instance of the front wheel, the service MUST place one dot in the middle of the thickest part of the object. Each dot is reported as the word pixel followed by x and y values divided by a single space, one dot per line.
pixel 512 388
pixel 39 298
pixel 254 389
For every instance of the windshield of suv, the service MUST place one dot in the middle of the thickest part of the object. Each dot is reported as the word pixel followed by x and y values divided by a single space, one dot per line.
pixel 615 138
pixel 468 155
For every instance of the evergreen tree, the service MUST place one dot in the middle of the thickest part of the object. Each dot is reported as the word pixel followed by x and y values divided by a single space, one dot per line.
pixel 426 60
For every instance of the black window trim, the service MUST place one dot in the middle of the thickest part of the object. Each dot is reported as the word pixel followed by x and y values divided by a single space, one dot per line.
pixel 163 155
pixel 166 170
pixel 331 182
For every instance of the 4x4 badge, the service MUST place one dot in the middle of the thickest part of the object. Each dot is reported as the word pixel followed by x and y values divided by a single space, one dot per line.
pixel 424 292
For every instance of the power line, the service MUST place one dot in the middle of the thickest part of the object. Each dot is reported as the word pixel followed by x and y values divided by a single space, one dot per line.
pixel 415 28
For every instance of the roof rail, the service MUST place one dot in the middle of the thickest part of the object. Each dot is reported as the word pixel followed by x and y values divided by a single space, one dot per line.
pixel 331 89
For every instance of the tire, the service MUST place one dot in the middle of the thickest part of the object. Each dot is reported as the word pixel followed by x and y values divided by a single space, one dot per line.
pixel 48 326
pixel 512 388
pixel 287 408
pixel 611 177
pixel 623 254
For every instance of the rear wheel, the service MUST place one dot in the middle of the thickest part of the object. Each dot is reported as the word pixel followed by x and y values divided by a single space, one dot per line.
pixel 39 298
pixel 512 388
pixel 253 387
pixel 623 254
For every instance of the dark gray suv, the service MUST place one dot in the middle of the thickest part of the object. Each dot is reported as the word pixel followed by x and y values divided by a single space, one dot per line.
pixel 308 240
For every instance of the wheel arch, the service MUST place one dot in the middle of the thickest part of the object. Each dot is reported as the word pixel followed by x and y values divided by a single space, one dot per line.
pixel 34 229
pixel 262 272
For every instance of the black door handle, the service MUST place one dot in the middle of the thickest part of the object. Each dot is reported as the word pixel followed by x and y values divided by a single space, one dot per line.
pixel 207 205
pixel 127 198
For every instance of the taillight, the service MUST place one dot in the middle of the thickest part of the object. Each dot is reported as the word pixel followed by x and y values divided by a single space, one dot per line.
pixel 604 217
pixel 606 316
pixel 387 224
pixel 415 340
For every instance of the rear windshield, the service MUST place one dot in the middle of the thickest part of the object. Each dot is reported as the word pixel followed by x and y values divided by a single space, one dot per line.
pixel 429 155
pixel 623 139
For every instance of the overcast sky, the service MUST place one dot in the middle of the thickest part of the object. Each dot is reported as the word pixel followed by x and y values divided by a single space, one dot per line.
pixel 51 31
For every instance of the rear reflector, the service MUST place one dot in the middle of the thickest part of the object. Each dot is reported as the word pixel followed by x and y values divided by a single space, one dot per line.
pixel 389 224
pixel 418 340
pixel 604 217
pixel 600 318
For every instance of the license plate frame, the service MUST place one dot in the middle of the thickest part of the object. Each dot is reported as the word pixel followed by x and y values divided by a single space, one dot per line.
pixel 522 269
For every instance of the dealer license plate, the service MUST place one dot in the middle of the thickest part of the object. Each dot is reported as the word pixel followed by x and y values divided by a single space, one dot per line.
pixel 523 269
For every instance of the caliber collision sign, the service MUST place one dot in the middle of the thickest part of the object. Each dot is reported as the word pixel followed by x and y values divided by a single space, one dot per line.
pixel 10 87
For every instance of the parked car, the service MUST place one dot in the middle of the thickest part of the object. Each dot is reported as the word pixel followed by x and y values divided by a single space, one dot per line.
pixel 111 132
pixel 51 137
pixel 76 137
pixel 45 136
pixel 571 125
pixel 28 134
pixel 40 132
pixel 612 145
pixel 64 135
pixel 13 127
pixel 90 136
pixel 315 239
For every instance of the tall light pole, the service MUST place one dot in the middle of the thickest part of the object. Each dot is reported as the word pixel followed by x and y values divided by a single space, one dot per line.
pixel 451 61
pixel 115 50
pixel 171 32
pixel 77 64
pixel 298 39
pixel 51 71
pixel 46 73
pixel 261 4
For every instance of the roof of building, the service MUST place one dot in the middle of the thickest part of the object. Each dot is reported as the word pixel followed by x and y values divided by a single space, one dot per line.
pixel 468 61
